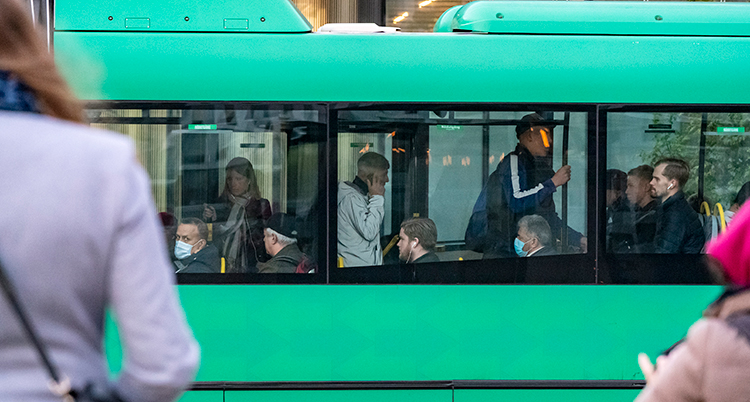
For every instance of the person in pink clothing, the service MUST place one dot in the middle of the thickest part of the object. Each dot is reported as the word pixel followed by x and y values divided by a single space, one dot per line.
pixel 713 362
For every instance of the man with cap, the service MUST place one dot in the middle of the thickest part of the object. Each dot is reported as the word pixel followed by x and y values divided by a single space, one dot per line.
pixel 280 238
pixel 522 185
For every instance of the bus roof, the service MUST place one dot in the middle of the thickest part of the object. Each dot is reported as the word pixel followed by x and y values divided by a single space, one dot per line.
pixel 598 18
pixel 267 16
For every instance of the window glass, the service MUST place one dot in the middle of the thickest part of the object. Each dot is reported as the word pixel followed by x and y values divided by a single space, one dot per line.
pixel 222 175
pixel 673 179
pixel 458 183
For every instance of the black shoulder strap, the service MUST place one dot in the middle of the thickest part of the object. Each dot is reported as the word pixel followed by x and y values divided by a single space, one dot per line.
pixel 15 304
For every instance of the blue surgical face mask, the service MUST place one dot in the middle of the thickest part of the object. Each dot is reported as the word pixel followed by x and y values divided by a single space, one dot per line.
pixel 182 250
pixel 518 244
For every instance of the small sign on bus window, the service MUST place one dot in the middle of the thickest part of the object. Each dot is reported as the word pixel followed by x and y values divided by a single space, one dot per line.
pixel 727 131
pixel 201 126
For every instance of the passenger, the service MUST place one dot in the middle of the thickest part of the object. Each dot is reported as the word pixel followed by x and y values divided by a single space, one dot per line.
pixel 739 200
pixel 522 185
pixel 620 229
pixel 84 240
pixel 239 212
pixel 711 363
pixel 361 211
pixel 678 227
pixel 417 240
pixel 281 244
pixel 534 237
pixel 644 207
pixel 194 254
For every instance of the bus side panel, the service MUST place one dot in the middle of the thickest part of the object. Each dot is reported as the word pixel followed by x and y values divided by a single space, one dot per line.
pixel 436 333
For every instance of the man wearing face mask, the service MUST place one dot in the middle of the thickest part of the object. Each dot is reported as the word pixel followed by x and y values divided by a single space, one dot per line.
pixel 534 237
pixel 523 184
pixel 417 240
pixel 194 254
pixel 678 228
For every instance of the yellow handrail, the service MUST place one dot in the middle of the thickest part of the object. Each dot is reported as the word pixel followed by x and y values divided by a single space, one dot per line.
pixel 705 207
pixel 223 265
pixel 718 208
pixel 340 262
pixel 390 245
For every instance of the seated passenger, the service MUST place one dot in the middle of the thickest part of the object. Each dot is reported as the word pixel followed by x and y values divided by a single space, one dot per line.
pixel 534 237
pixel 739 200
pixel 361 211
pixel 620 230
pixel 194 254
pixel 644 208
pixel 281 244
pixel 678 228
pixel 239 214
pixel 417 240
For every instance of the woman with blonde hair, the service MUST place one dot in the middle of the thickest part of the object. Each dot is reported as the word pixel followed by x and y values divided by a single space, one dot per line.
pixel 240 213
pixel 83 239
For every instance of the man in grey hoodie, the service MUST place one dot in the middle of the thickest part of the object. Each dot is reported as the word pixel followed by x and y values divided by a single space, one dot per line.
pixel 360 212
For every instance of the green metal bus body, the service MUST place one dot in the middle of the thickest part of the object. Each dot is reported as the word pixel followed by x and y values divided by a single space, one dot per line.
pixel 433 335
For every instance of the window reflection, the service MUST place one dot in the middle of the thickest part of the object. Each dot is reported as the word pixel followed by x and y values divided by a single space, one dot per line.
pixel 218 174
pixel 453 171
pixel 684 174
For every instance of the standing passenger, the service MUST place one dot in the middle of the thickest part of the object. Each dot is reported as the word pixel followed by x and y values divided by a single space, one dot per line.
pixel 678 228
pixel 240 212
pixel 361 211
pixel 523 185
pixel 417 240
pixel 95 246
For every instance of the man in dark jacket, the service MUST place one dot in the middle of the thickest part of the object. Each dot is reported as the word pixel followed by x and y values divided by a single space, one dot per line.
pixel 678 228
pixel 280 238
pixel 523 185
pixel 194 254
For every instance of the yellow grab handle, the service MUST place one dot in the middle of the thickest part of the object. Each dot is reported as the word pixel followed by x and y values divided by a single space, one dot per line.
pixel 705 208
pixel 340 262
pixel 223 265
pixel 719 210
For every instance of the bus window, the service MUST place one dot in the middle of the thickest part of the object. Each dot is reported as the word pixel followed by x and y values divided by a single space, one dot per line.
pixel 673 181
pixel 459 183
pixel 219 173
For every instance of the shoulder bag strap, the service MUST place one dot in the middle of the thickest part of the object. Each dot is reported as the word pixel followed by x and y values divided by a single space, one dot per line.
pixel 59 385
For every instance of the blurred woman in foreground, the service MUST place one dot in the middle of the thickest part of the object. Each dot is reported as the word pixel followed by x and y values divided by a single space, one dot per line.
pixel 713 362
pixel 80 236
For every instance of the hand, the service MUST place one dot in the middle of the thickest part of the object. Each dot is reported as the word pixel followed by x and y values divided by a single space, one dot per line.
pixel 650 372
pixel 375 186
pixel 209 213
pixel 562 176
pixel 584 244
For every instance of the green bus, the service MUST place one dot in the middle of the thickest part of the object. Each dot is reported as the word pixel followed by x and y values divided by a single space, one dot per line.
pixel 620 84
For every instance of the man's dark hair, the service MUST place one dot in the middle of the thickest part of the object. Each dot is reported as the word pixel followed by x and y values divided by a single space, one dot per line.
pixel 423 229
pixel 370 163
pixel 537 227
pixel 675 169
pixel 616 180
pixel 643 172
pixel 202 227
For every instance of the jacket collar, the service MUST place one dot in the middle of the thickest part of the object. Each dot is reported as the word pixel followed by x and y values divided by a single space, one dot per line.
pixel 673 199
pixel 15 96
